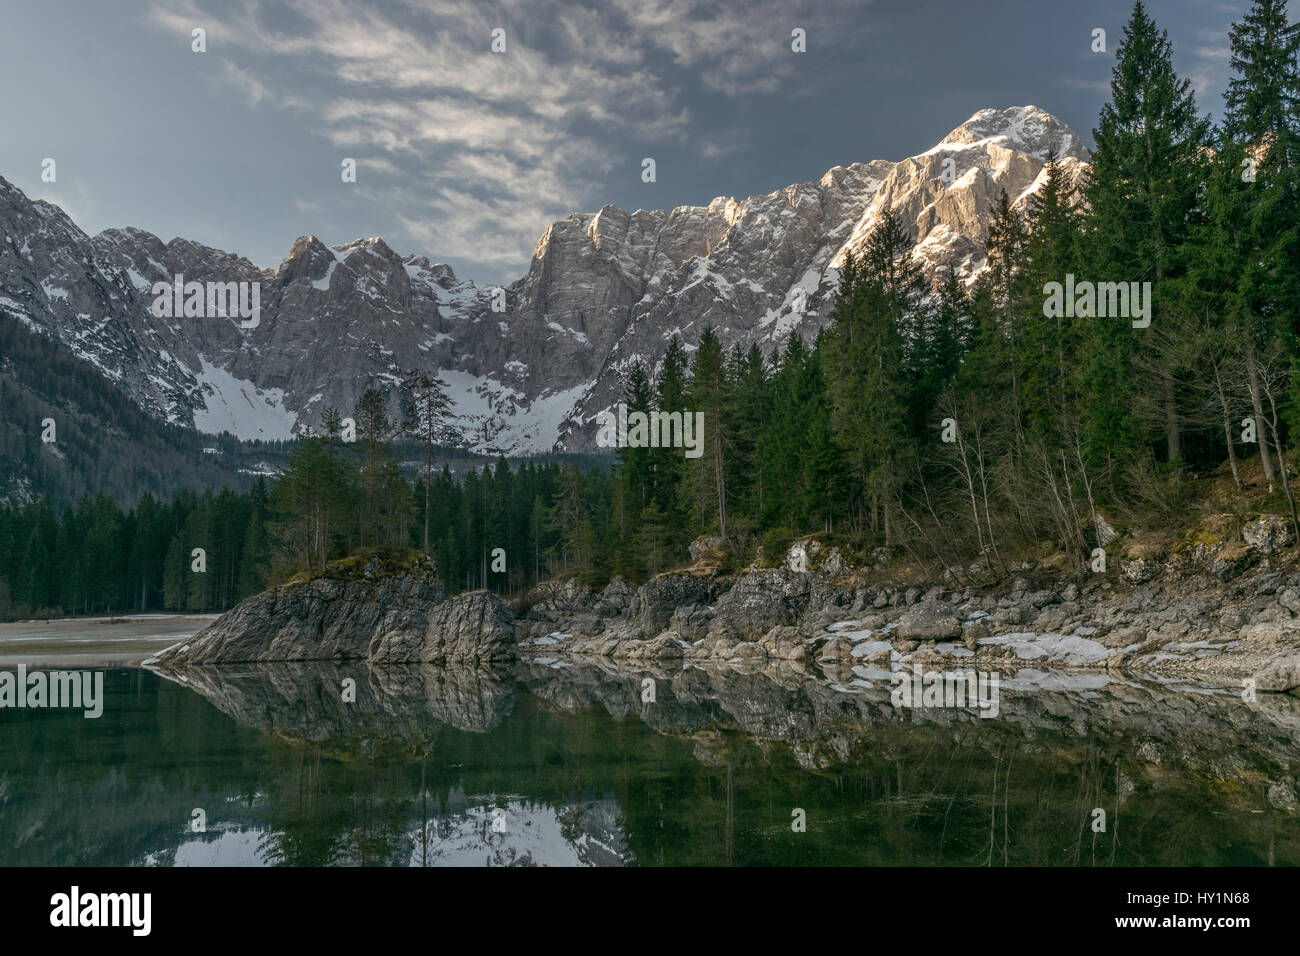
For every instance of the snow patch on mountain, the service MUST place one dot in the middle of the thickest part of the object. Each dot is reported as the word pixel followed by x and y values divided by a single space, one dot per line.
pixel 498 419
pixel 239 407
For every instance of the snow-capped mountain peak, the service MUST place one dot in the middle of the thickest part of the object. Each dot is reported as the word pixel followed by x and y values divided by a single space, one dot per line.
pixel 528 366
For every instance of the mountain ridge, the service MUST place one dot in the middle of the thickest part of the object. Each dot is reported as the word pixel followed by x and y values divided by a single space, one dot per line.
pixel 602 290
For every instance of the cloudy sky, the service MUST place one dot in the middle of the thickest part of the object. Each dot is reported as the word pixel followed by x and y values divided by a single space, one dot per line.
pixel 465 155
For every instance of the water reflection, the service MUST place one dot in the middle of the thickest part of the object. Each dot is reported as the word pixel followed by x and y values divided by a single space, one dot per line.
pixel 566 763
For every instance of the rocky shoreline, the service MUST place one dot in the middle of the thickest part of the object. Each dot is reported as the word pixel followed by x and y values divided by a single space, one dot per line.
pixel 1224 612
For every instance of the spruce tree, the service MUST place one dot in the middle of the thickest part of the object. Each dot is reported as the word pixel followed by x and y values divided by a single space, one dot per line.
pixel 879 303
pixel 1049 348
pixel 1257 213
pixel 1141 193
pixel 426 414
pixel 708 473
pixel 668 465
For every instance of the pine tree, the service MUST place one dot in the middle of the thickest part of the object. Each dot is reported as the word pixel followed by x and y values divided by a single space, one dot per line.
pixel 708 473
pixel 1256 214
pixel 1262 101
pixel 937 354
pixel 33 582
pixel 1007 299
pixel 252 560
pixel 748 410
pixel 668 465
pixel 1141 192
pixel 635 465
pixel 426 417
pixel 1049 347
pixel 176 571
pixel 652 538
pixel 879 305
pixel 567 517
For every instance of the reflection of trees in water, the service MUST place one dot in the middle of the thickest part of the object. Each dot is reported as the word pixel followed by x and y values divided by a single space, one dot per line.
pixel 116 789
pixel 707 775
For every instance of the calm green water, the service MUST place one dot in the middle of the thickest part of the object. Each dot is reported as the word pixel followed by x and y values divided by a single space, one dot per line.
pixel 557 765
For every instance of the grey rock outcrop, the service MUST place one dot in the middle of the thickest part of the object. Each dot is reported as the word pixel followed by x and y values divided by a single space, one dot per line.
pixel 473 628
pixel 383 611
pixel 1268 534
pixel 1281 675
pixel 654 604
pixel 758 601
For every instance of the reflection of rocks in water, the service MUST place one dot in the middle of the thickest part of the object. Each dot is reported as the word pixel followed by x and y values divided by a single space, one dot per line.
pixel 619 691
pixel 1185 727
pixel 306 700
pixel 1156 729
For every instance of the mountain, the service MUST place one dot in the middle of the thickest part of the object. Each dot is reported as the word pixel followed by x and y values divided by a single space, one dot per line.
pixel 531 365
pixel 102 443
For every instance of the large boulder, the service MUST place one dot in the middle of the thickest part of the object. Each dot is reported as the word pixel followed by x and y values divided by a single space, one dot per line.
pixel 558 598
pixel 1268 534
pixel 1281 675
pixel 616 597
pixel 654 603
pixel 389 609
pixel 929 621
pixel 809 554
pixel 703 546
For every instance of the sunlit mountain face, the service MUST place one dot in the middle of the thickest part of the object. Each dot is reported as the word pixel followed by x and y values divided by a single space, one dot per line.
pixel 529 364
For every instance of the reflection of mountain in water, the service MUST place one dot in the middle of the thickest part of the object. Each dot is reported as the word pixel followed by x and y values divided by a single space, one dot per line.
pixel 520 833
pixel 579 767
pixel 465 832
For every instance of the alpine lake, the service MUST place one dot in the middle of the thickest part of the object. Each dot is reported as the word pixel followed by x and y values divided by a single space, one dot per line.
pixel 586 763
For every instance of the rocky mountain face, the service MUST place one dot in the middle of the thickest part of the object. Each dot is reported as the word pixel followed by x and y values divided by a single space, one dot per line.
pixel 529 366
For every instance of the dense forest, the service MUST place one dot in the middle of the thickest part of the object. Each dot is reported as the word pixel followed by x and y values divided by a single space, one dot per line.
pixel 94 558
pixel 928 419
pixel 104 443
pixel 953 424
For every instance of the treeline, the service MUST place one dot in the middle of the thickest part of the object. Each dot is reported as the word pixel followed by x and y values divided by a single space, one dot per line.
pixel 102 444
pixel 341 491
pixel 95 558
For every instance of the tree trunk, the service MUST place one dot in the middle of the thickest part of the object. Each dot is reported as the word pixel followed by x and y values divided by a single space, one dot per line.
pixel 1257 406
pixel 1173 433
pixel 1227 427
pixel 1281 464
